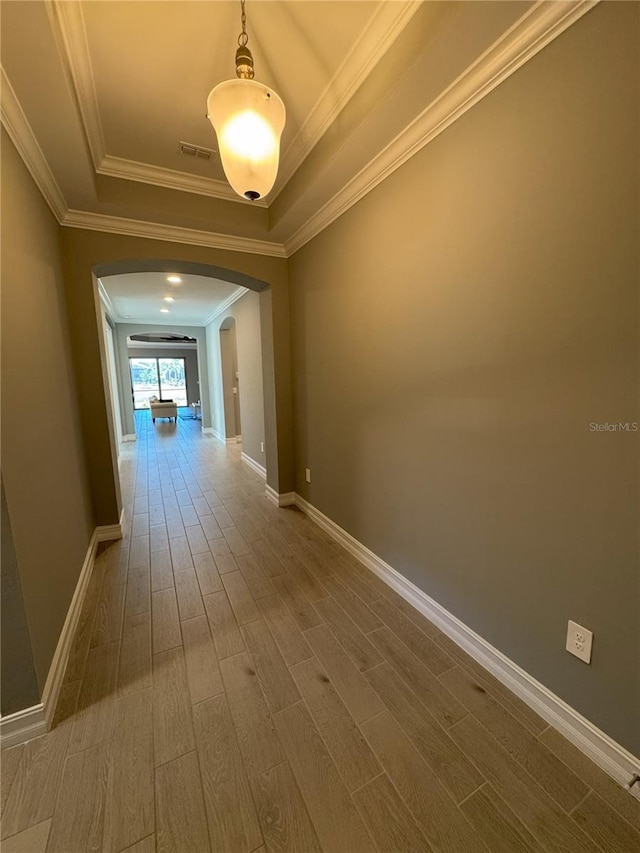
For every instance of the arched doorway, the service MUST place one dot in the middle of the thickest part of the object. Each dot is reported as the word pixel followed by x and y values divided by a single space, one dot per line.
pixel 273 309
pixel 128 277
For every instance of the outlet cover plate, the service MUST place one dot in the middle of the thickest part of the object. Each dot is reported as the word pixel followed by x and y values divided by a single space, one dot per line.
pixel 579 641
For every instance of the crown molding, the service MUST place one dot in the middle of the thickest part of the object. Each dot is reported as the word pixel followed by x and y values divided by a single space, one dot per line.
pixel 381 31
pixel 23 137
pixel 528 36
pixel 145 173
pixel 20 132
pixel 67 24
pixel 224 306
pixel 170 233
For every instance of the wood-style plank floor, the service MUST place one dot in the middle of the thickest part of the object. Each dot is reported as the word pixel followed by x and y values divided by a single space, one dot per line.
pixel 238 683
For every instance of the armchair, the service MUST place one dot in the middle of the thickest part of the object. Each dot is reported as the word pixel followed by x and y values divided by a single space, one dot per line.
pixel 163 409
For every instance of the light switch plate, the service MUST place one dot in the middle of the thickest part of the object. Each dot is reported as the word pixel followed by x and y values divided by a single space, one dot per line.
pixel 307 474
pixel 579 641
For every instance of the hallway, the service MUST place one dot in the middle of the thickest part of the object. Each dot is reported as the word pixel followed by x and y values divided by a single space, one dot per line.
pixel 238 682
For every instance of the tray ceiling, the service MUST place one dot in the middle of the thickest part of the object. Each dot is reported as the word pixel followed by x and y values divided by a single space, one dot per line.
pixel 141 72
pixel 97 95
pixel 153 65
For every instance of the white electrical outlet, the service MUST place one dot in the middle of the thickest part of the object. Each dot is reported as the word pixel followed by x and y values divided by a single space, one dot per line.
pixel 262 447
pixel 579 641
pixel 307 474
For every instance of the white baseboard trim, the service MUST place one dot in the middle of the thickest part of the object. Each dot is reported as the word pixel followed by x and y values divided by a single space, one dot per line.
pixel 614 759
pixel 58 666
pixel 257 467
pixel 131 436
pixel 208 431
pixel 271 494
pixel 109 532
pixel 35 721
pixel 23 725
pixel 53 684
pixel 284 499
pixel 223 438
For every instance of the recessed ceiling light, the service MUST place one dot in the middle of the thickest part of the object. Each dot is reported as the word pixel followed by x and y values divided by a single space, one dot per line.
pixel 168 298
pixel 164 310
pixel 174 279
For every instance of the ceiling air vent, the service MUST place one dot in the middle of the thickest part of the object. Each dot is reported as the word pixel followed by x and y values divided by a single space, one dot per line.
pixel 195 151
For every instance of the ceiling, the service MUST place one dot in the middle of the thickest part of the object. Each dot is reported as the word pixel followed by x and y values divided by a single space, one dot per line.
pixel 152 91
pixel 124 82
pixel 97 95
pixel 141 298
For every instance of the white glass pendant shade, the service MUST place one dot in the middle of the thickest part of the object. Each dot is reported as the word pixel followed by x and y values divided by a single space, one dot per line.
pixel 248 119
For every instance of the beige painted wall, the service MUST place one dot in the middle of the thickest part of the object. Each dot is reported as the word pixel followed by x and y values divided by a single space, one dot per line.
pixel 18 683
pixel 454 336
pixel 43 459
pixel 247 315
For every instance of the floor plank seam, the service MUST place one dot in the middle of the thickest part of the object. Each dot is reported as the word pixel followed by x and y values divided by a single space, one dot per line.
pixel 475 791
pixel 579 803
pixel 368 782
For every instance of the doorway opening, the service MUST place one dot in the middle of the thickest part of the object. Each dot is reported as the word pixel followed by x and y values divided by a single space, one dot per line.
pixel 130 295
pixel 230 378
pixel 112 380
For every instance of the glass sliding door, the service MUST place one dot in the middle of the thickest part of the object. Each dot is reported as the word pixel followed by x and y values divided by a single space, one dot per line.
pixel 144 381
pixel 164 378
pixel 173 380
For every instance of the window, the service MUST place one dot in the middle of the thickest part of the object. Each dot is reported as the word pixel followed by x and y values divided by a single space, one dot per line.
pixel 164 378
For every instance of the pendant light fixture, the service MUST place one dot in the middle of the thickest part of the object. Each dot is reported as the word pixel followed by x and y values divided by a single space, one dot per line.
pixel 248 118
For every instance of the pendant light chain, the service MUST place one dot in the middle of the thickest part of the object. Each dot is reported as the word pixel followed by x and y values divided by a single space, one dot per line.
pixel 243 38
pixel 244 59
